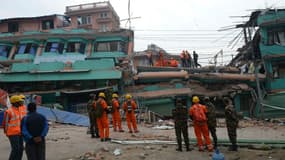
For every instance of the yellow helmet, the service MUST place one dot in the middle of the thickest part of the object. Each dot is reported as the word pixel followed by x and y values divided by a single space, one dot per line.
pixel 22 96
pixel 101 94
pixel 128 96
pixel 195 99
pixel 114 95
pixel 15 99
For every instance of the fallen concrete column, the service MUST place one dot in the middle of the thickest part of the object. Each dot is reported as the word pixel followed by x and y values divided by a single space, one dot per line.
pixel 170 74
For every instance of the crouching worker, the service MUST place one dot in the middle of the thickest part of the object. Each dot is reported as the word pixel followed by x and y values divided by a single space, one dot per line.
pixel 34 130
pixel 180 117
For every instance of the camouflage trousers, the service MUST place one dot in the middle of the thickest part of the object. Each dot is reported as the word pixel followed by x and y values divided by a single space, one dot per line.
pixel 232 133
pixel 213 134
pixel 93 124
pixel 181 128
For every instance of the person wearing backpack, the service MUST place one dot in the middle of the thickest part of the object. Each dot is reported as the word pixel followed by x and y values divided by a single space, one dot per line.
pixel 116 113
pixel 101 110
pixel 91 115
pixel 198 113
pixel 129 107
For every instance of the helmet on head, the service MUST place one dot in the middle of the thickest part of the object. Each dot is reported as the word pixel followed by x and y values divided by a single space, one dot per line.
pixel 114 95
pixel 128 96
pixel 101 94
pixel 195 99
pixel 15 99
pixel 22 96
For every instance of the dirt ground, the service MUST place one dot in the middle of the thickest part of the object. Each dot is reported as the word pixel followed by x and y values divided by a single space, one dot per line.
pixel 67 142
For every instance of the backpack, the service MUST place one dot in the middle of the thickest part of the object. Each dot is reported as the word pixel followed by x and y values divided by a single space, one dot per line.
pixel 98 110
pixel 199 114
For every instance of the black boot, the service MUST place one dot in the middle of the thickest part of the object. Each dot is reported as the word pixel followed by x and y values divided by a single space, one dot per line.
pixel 92 136
pixel 188 148
pixel 179 149
pixel 233 147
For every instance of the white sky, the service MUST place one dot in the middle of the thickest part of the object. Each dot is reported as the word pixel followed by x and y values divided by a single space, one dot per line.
pixel 172 25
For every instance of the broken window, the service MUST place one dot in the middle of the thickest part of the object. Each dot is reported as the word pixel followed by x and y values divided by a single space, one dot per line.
pixel 110 46
pixel 81 20
pixel 4 50
pixel 78 47
pixel 47 24
pixel 278 69
pixel 54 47
pixel 13 27
pixel 276 37
pixel 28 48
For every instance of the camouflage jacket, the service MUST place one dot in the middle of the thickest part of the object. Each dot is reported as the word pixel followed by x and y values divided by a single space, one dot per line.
pixel 211 115
pixel 90 106
pixel 231 116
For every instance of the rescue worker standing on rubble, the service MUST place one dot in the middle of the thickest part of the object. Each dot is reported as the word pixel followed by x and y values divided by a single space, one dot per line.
pixel 117 122
pixel 12 127
pixel 180 120
pixel 232 123
pixel 101 111
pixel 92 117
pixel 129 107
pixel 211 119
pixel 198 113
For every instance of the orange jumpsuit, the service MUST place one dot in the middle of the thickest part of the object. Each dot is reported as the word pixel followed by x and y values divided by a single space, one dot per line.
pixel 129 107
pixel 103 122
pixel 200 125
pixel 116 115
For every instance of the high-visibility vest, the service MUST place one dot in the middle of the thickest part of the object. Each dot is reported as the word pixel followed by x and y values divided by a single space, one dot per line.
pixel 13 120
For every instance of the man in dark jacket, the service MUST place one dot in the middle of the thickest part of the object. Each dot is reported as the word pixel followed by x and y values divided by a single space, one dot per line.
pixel 34 130
pixel 180 116
pixel 211 119
pixel 232 123
pixel 92 118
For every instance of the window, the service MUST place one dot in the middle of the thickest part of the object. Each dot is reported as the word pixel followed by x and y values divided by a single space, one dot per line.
pixel 55 47
pixel 28 48
pixel 47 24
pixel 13 27
pixel 77 47
pixel 103 28
pixel 4 50
pixel 110 46
pixel 276 37
pixel 278 69
pixel 83 20
pixel 103 15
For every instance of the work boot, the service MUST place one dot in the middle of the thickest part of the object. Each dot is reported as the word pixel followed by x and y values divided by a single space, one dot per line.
pixel 136 131
pixel 121 130
pixel 188 148
pixel 107 139
pixel 102 139
pixel 179 149
pixel 92 136
pixel 130 131
pixel 201 149
pixel 233 148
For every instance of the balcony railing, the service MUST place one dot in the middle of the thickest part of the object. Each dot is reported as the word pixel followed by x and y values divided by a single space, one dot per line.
pixel 87 6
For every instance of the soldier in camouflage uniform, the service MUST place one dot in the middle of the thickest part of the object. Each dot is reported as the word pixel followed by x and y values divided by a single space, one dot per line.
pixel 180 117
pixel 232 123
pixel 211 119
pixel 92 118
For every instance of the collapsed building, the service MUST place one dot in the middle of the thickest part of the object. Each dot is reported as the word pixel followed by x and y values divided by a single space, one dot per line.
pixel 63 58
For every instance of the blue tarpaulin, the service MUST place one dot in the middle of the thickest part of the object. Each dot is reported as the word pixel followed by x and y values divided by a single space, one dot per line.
pixel 60 116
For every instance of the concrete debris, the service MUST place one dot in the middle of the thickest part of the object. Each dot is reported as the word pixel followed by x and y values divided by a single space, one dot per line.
pixel 104 149
pixel 117 152
pixel 163 127
pixel 263 147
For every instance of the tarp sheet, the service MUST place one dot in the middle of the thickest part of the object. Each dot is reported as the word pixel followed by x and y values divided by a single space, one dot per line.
pixel 60 116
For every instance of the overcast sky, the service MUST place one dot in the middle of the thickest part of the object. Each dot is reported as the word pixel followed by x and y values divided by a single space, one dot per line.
pixel 172 25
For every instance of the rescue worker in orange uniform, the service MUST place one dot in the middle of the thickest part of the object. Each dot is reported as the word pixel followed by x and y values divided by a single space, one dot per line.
pixel 129 107
pixel 12 127
pixel 116 113
pixel 197 113
pixel 173 62
pixel 101 110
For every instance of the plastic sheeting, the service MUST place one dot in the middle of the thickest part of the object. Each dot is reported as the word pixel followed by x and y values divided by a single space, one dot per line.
pixel 60 116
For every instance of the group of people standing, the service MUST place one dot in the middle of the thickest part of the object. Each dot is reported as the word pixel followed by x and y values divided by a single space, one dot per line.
pixel 98 111
pixel 188 61
pixel 20 126
pixel 204 120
